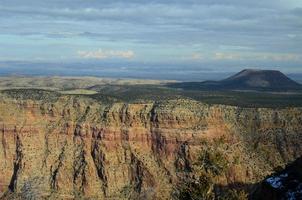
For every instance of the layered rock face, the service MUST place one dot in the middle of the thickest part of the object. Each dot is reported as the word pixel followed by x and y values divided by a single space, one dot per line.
pixel 77 147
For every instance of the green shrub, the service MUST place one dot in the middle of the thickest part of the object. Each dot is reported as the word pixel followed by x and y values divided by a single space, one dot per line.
pixel 212 162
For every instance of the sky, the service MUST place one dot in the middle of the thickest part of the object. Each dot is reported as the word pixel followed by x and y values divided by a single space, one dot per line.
pixel 134 37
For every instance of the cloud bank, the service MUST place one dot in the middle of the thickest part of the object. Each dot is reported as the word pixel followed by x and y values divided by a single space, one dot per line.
pixel 192 32
pixel 104 54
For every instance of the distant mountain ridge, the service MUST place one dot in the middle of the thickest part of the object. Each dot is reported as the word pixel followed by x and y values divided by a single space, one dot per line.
pixel 248 79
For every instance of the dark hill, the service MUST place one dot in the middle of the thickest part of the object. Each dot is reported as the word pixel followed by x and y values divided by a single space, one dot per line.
pixel 262 80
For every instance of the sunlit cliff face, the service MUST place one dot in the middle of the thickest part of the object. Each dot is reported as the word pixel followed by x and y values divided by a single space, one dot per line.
pixel 73 146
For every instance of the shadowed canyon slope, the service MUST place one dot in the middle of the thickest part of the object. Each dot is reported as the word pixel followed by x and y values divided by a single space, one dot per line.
pixel 73 146
pixel 283 184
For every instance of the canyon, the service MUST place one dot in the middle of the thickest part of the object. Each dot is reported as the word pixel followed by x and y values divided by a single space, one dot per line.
pixel 76 147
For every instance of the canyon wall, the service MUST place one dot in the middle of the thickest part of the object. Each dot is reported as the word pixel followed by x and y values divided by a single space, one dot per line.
pixel 74 147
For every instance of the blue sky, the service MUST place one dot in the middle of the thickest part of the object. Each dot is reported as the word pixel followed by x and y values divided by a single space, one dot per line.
pixel 210 35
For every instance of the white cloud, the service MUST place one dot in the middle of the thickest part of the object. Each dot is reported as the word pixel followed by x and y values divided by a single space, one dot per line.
pixel 257 56
pixel 227 56
pixel 282 57
pixel 104 54
pixel 197 56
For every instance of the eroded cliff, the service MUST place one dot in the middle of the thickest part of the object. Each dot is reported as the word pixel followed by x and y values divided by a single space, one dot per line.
pixel 73 147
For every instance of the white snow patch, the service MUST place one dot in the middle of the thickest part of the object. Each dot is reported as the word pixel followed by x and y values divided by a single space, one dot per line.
pixel 290 196
pixel 284 175
pixel 275 182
